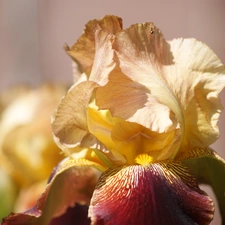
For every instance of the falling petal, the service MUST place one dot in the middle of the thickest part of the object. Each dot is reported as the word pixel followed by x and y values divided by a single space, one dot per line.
pixel 76 215
pixel 71 182
pixel 159 193
pixel 208 168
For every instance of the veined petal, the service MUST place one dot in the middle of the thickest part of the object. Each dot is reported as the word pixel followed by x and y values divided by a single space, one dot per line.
pixel 69 123
pixel 181 79
pixel 133 102
pixel 71 182
pixel 196 78
pixel 103 60
pixel 159 193
pixel 77 215
pixel 138 91
pixel 208 168
pixel 95 44
pixel 142 53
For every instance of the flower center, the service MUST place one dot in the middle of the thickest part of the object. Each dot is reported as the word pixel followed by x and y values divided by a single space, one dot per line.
pixel 144 159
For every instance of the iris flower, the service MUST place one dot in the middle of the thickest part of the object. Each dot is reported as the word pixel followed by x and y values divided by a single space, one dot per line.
pixel 135 128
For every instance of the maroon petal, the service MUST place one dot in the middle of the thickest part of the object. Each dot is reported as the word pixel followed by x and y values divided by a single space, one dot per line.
pixel 77 215
pixel 72 181
pixel 160 193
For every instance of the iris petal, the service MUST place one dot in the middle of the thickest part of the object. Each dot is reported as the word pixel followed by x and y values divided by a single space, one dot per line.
pixel 93 50
pixel 71 182
pixel 73 216
pixel 208 168
pixel 69 123
pixel 160 193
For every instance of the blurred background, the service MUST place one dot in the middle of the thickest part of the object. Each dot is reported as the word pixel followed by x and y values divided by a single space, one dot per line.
pixel 32 35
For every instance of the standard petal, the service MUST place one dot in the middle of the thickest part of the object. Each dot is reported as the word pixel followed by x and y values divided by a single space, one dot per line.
pixel 142 54
pixel 71 182
pixel 208 168
pixel 69 122
pixel 95 44
pixel 133 102
pixel 137 90
pixel 196 78
pixel 159 193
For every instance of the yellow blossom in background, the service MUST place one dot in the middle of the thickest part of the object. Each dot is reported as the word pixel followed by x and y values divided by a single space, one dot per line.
pixel 27 150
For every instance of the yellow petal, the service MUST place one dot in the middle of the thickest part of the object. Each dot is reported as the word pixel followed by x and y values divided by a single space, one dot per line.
pixel 100 124
pixel 132 139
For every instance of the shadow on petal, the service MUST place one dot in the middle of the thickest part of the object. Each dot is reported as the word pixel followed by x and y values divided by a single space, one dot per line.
pixel 160 193
pixel 78 215
pixel 72 181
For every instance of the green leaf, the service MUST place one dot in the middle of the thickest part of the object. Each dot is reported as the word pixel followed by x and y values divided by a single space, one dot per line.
pixel 208 168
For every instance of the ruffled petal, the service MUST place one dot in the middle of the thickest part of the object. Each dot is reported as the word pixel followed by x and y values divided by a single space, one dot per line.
pixel 93 48
pixel 196 78
pixel 69 123
pixel 137 90
pixel 165 85
pixel 133 102
pixel 71 182
pixel 142 54
pixel 159 193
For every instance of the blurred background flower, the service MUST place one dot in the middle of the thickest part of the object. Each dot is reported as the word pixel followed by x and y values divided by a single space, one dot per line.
pixel 27 150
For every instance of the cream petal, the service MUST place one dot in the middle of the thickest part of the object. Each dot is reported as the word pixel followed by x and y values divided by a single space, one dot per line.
pixel 142 53
pixel 103 60
pixel 91 45
pixel 133 102
pixel 69 123
pixel 183 75
pixel 197 78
